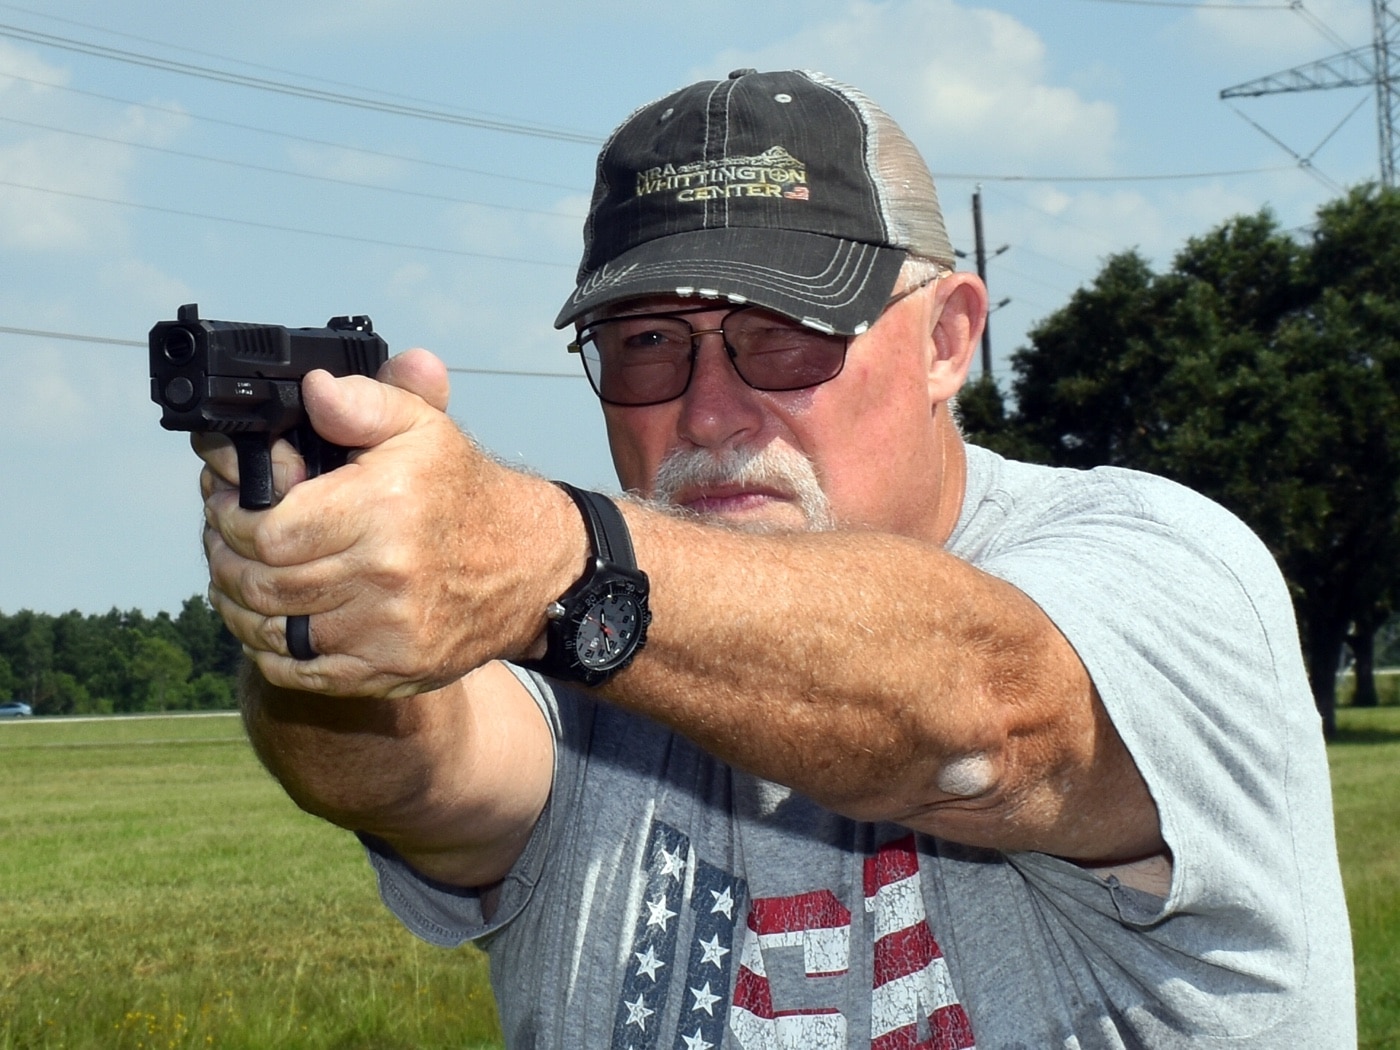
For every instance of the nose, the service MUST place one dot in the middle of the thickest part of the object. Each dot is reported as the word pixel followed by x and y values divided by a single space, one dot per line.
pixel 718 409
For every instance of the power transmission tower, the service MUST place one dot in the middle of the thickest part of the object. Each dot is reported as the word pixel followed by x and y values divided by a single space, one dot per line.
pixel 1377 64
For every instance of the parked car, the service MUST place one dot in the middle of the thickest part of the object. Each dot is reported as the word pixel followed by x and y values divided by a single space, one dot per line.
pixel 15 709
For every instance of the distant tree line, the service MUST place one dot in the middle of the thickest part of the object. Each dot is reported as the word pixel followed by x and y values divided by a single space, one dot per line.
pixel 1262 368
pixel 118 661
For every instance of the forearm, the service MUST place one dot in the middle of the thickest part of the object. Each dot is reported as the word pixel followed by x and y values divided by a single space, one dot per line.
pixel 435 775
pixel 884 679
pixel 359 763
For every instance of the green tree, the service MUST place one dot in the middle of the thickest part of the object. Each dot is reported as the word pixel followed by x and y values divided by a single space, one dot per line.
pixel 161 670
pixel 211 692
pixel 73 664
pixel 28 645
pixel 204 636
pixel 59 693
pixel 1261 370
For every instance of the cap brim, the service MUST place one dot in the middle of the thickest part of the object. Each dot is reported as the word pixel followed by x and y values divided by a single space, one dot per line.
pixel 826 281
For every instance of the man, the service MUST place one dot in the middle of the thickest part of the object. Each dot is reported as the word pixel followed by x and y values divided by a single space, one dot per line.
pixel 849 734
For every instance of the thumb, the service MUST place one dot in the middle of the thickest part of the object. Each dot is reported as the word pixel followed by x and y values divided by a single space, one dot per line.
pixel 418 372
pixel 356 411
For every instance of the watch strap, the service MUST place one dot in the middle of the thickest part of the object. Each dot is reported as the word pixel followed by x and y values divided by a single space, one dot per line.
pixel 607 530
pixel 611 563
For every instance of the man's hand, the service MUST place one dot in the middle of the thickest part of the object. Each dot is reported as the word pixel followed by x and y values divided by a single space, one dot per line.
pixel 418 561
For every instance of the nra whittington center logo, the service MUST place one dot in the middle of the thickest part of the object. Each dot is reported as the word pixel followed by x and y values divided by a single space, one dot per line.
pixel 774 173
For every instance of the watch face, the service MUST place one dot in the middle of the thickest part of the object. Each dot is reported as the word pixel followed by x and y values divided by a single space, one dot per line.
pixel 608 632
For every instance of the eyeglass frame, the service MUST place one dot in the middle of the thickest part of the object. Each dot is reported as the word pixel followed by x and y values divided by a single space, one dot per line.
pixel 576 346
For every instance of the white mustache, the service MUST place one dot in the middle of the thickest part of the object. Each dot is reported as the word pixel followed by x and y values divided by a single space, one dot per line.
pixel 773 466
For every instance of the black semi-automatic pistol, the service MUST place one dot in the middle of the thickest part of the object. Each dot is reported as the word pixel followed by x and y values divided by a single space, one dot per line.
pixel 244 380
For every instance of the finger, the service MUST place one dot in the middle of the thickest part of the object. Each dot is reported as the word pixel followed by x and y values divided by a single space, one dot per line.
pixel 258 633
pixel 359 412
pixel 319 519
pixel 318 585
pixel 217 452
pixel 221 464
pixel 419 372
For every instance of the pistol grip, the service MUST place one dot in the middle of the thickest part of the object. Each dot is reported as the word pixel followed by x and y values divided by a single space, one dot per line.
pixel 254 471
pixel 319 455
pixel 255 493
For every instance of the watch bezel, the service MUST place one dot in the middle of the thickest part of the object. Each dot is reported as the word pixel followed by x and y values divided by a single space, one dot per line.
pixel 617 589
pixel 562 657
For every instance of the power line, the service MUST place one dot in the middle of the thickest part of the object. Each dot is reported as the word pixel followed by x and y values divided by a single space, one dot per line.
pixel 1318 24
pixel 184 48
pixel 284 229
pixel 1376 65
pixel 279 87
pixel 941 176
pixel 76 337
pixel 286 172
pixel 1197 7
pixel 527 375
pixel 958 176
pixel 178 112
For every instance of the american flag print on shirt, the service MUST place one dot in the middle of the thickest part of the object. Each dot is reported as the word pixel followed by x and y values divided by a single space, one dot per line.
pixel 913 1005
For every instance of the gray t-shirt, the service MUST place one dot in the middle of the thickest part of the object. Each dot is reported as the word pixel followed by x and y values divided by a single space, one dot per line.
pixel 666 900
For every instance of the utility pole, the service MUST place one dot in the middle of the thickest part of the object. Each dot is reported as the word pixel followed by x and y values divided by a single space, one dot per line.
pixel 982 273
pixel 1377 64
pixel 981 256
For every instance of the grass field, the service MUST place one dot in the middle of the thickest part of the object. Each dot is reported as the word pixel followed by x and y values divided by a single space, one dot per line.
pixel 1366 797
pixel 157 892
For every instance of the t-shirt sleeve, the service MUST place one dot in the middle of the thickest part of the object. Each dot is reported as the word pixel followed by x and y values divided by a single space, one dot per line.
pixel 1185 626
pixel 448 916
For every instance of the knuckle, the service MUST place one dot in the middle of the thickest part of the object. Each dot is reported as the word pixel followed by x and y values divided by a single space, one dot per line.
pixel 264 541
pixel 256 591
pixel 270 633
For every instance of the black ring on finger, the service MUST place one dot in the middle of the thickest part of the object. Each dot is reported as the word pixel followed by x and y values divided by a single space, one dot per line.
pixel 299 638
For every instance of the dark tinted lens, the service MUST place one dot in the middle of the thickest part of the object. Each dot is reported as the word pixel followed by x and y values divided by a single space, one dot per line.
pixel 773 353
pixel 637 360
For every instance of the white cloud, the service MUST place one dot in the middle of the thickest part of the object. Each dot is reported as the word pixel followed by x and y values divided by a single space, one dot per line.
pixel 48 406
pixel 970 85
pixel 1279 39
pixel 350 165
pixel 547 236
pixel 61 160
pixel 146 288
pixel 153 125
pixel 50 176
pixel 20 68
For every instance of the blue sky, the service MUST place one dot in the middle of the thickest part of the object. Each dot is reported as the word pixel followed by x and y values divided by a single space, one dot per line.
pixel 127 188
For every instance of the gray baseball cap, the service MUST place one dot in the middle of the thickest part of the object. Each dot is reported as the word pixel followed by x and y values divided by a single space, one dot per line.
pixel 788 190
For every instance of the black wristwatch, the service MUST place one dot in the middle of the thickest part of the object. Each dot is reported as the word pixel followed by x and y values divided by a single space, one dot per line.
pixel 600 623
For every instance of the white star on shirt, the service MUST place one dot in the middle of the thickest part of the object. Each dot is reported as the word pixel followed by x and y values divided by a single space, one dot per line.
pixel 724 903
pixel 712 952
pixel 672 864
pixel 696 1042
pixel 704 1000
pixel 648 963
pixel 660 914
pixel 637 1013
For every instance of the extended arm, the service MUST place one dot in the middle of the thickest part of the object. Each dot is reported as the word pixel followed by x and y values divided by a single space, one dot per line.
pixel 888 680
pixel 877 674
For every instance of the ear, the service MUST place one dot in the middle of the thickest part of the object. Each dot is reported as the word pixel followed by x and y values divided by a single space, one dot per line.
pixel 957 332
